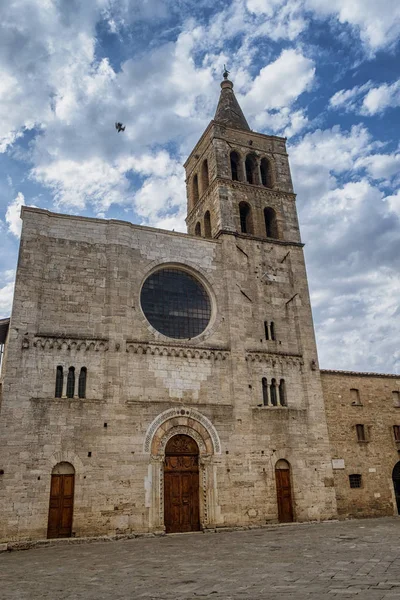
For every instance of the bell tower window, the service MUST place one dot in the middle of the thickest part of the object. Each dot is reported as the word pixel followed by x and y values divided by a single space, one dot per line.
pixel 197 229
pixel 251 169
pixel 271 226
pixel 195 189
pixel 235 166
pixel 246 221
pixel 207 225
pixel 265 170
pixel 204 176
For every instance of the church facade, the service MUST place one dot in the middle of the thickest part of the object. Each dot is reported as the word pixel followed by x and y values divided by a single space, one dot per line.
pixel 157 381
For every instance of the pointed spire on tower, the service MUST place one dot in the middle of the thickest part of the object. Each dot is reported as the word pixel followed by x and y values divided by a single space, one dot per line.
pixel 228 111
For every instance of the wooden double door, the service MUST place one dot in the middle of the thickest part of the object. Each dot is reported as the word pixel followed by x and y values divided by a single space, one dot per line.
pixel 284 494
pixel 61 505
pixel 181 485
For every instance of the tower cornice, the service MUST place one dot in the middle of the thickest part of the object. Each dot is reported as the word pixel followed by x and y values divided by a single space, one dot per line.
pixel 257 191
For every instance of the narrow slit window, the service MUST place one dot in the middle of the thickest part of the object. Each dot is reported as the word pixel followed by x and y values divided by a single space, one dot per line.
pixel 266 330
pixel 265 169
pixel 246 221
pixel 273 394
pixel 207 224
pixel 265 391
pixel 355 396
pixel 195 189
pixel 71 382
pixel 59 382
pixel 355 480
pixel 204 176
pixel 282 392
pixel 82 383
pixel 272 329
pixel 396 432
pixel 234 158
pixel 271 225
pixel 360 429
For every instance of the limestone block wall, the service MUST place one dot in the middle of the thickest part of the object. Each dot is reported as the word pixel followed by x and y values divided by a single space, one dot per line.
pixel 77 303
pixel 378 410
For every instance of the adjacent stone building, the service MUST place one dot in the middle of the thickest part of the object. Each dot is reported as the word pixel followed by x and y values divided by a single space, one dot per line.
pixel 363 414
pixel 158 381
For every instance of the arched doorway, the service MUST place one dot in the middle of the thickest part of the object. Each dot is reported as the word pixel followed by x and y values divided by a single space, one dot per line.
pixel 61 501
pixel 284 491
pixel 396 484
pixel 181 483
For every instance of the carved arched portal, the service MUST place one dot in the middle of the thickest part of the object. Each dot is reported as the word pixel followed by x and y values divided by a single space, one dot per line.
pixel 171 428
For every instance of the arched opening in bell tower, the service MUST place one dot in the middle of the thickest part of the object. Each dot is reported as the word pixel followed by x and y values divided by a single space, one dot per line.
pixel 246 219
pixel 251 169
pixel 266 175
pixel 271 226
pixel 195 189
pixel 207 225
pixel 235 166
pixel 204 176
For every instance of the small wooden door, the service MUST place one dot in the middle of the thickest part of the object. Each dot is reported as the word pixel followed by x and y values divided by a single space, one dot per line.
pixel 396 485
pixel 61 505
pixel 284 493
pixel 181 485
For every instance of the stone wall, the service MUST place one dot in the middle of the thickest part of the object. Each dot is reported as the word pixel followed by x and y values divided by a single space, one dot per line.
pixel 77 304
pixel 378 409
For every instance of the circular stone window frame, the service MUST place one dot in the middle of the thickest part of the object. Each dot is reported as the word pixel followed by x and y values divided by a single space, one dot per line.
pixel 204 279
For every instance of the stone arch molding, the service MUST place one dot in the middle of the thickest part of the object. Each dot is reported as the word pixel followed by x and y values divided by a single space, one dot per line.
pixel 181 420
pixel 68 457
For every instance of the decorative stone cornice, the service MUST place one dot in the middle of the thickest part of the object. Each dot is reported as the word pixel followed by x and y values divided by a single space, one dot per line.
pixel 273 358
pixel 358 374
pixel 177 350
pixel 259 191
pixel 47 342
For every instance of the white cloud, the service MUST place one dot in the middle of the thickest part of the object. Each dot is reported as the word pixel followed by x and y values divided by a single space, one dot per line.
pixel 393 202
pixel 280 83
pixel 6 298
pixel 366 99
pixel 351 231
pixel 348 99
pixel 380 98
pixel 378 23
pixel 13 212
pixel 380 166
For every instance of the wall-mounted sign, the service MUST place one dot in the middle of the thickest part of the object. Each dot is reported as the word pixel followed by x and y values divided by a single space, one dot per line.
pixel 337 463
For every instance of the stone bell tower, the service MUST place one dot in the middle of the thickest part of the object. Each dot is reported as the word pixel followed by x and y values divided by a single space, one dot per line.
pixel 239 180
pixel 240 194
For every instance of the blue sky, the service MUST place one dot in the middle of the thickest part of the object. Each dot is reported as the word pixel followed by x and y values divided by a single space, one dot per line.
pixel 324 73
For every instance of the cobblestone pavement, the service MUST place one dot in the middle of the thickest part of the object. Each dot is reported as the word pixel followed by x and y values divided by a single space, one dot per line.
pixel 312 561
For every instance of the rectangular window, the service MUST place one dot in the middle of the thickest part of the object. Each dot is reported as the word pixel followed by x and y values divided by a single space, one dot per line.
pixel 355 396
pixel 266 330
pixel 396 399
pixel 361 437
pixel 396 432
pixel 355 480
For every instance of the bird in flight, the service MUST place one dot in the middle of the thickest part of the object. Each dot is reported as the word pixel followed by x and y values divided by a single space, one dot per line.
pixel 119 127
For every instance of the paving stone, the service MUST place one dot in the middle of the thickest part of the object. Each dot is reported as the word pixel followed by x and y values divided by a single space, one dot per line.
pixel 270 564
